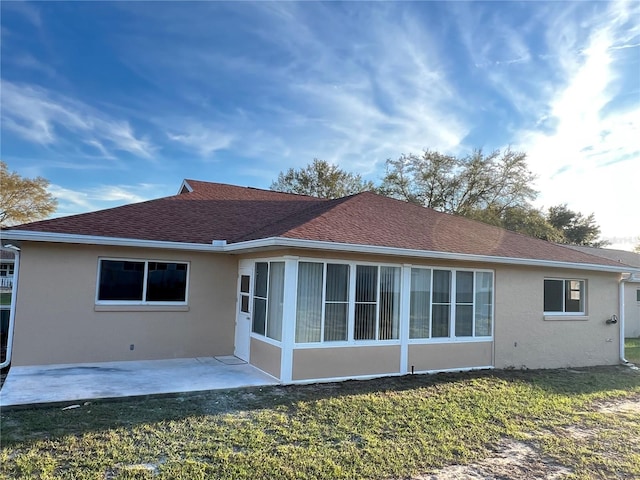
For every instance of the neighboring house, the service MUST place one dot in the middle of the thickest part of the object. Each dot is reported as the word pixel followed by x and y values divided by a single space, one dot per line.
pixel 631 285
pixel 6 270
pixel 307 289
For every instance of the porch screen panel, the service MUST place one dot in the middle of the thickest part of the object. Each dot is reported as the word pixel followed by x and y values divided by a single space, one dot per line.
pixel 366 302
pixel 441 308
pixel 464 304
pixel 260 298
pixel 275 300
pixel 337 303
pixel 389 316
pixel 484 303
pixel 420 303
pixel 309 303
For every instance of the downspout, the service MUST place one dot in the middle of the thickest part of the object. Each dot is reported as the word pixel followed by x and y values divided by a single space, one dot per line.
pixel 622 359
pixel 12 311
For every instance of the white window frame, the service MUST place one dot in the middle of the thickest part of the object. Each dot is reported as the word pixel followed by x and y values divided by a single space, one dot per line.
pixel 350 342
pixel 564 313
pixel 146 262
pixel 452 338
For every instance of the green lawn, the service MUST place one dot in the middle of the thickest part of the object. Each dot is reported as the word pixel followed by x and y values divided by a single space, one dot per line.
pixel 384 428
pixel 632 350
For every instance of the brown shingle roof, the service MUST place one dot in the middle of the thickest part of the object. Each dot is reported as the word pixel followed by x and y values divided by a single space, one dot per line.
pixel 214 211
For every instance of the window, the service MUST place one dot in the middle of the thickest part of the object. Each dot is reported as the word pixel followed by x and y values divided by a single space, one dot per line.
pixel 6 269
pixel 268 298
pixel 133 281
pixel 445 300
pixel 244 293
pixel 564 297
pixel 326 297
pixel 638 295
pixel 322 307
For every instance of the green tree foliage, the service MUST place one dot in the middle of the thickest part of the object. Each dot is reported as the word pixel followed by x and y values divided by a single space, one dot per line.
pixel 575 227
pixel 637 247
pixel 321 179
pixel 23 199
pixel 461 185
pixel 526 220
pixel 494 188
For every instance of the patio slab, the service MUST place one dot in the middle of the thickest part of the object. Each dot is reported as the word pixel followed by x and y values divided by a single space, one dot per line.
pixel 43 384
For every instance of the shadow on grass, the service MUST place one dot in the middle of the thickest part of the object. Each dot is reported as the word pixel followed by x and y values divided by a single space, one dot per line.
pixel 92 417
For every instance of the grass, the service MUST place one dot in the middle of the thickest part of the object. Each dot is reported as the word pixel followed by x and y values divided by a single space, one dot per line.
pixel 632 350
pixel 383 428
pixel 5 298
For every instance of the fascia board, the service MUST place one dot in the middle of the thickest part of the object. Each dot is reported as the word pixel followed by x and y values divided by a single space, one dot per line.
pixel 282 242
pixel 26 235
pixel 405 252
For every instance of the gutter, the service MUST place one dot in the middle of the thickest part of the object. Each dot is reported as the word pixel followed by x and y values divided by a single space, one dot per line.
pixel 12 311
pixel 221 246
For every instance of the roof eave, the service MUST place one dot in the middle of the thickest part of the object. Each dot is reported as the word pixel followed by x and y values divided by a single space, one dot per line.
pixel 26 235
pixel 282 242
pixel 406 252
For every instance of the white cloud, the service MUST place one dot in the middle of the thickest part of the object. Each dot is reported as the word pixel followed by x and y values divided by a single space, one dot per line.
pixel 72 201
pixel 41 116
pixel 205 141
pixel 590 158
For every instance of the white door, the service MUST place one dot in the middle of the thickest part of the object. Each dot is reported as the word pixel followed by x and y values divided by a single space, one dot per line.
pixel 243 315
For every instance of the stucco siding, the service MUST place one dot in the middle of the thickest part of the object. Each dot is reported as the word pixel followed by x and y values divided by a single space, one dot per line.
pixel 266 357
pixel 340 362
pixel 57 320
pixel 525 339
pixel 444 356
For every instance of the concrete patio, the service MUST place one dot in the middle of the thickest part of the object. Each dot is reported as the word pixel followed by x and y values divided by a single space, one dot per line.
pixel 43 384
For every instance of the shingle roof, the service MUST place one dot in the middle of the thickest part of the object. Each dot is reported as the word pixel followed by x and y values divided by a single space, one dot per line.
pixel 621 256
pixel 213 211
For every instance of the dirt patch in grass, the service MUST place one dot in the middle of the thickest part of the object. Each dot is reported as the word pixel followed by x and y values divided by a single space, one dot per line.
pixel 631 405
pixel 511 459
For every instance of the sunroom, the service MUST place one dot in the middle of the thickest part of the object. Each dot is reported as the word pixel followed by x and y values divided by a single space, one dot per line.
pixel 328 319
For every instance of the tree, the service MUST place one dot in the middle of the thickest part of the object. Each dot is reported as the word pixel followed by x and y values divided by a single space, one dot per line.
pixel 636 249
pixel 526 220
pixel 321 179
pixel 23 199
pixel 575 227
pixel 463 186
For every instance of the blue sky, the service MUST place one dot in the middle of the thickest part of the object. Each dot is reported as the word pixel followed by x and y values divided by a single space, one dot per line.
pixel 116 102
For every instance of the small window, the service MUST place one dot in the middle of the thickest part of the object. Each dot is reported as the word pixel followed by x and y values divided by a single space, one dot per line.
pixel 638 295
pixel 564 297
pixel 127 281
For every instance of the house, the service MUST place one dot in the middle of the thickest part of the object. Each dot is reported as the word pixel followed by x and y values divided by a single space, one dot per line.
pixel 631 286
pixel 6 270
pixel 307 289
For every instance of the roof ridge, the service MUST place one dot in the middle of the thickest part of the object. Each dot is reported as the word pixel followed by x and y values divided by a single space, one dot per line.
pixel 268 190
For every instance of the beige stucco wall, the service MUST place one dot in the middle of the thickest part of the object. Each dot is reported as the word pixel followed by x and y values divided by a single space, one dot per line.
pixel 265 356
pixel 443 356
pixel 57 321
pixel 524 339
pixel 631 310
pixel 339 362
